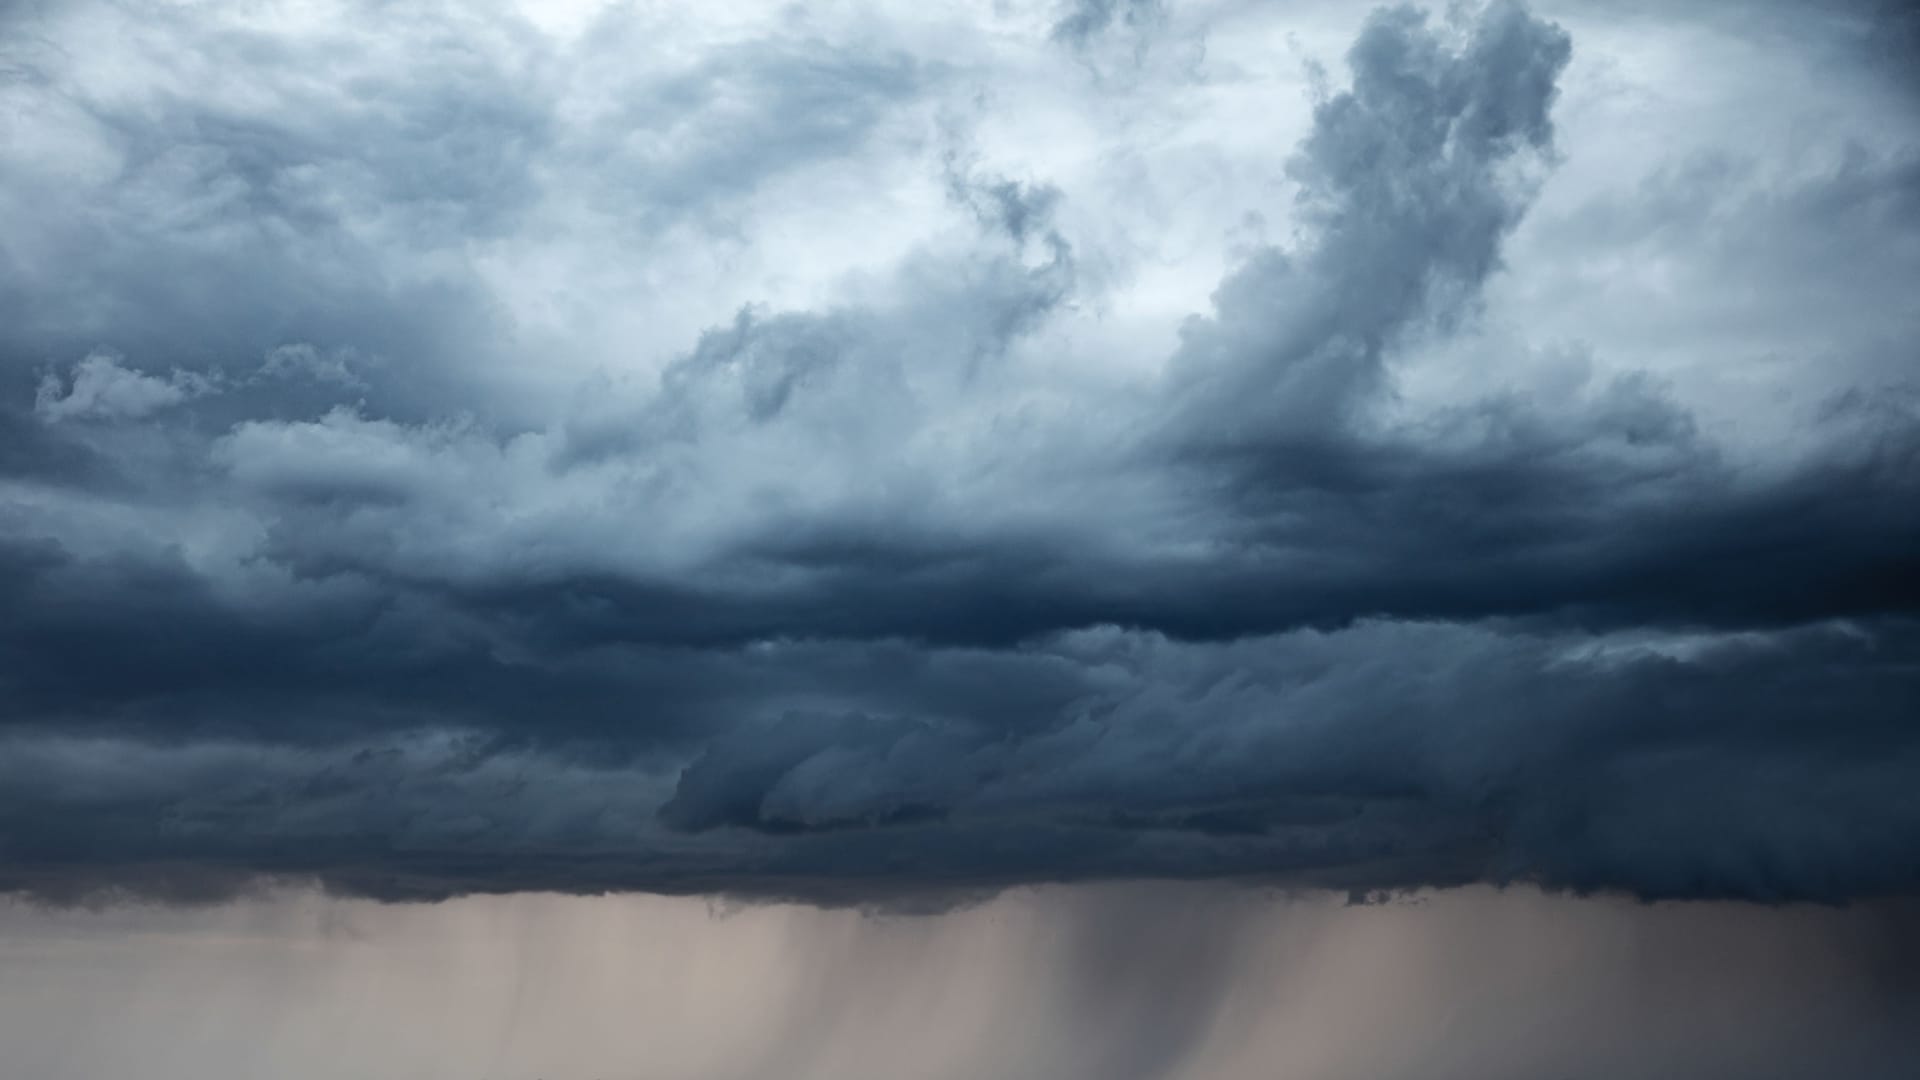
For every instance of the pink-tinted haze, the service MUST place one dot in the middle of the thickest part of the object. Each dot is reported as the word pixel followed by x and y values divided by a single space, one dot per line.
pixel 1106 983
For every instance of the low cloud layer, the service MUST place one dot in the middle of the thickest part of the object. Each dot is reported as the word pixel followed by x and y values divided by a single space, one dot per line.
pixel 767 474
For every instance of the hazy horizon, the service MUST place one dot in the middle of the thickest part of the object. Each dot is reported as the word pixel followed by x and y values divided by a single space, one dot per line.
pixel 1181 981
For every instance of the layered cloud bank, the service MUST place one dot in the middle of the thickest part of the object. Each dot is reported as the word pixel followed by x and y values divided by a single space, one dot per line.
pixel 775 467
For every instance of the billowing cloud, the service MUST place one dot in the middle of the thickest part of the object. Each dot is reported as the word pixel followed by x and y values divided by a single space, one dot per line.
pixel 765 473
pixel 101 389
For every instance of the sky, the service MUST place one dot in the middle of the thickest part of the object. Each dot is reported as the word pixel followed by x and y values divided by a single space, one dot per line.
pixel 1087 982
pixel 947 464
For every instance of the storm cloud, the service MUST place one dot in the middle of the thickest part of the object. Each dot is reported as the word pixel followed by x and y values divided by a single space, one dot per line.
pixel 768 463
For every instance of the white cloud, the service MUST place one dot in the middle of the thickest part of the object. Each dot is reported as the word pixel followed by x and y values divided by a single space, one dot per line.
pixel 102 389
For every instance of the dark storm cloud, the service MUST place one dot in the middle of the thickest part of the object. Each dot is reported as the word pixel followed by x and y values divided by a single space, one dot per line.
pixel 850 604
pixel 1383 756
pixel 1410 745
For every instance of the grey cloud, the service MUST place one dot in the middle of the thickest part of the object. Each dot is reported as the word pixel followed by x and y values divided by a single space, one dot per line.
pixel 101 389
pixel 862 600
pixel 1410 179
pixel 215 221
pixel 1724 227
pixel 1612 510
pixel 1083 20
pixel 1846 36
pixel 739 118
pixel 29 447
pixel 1022 210
pixel 300 360
pixel 251 189
pixel 1381 757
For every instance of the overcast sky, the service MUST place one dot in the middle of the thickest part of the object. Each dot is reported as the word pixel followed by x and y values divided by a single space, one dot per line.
pixel 883 453
pixel 880 454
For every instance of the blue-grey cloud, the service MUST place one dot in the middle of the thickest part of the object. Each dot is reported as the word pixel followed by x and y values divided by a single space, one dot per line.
pixel 309 574
pixel 1083 20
